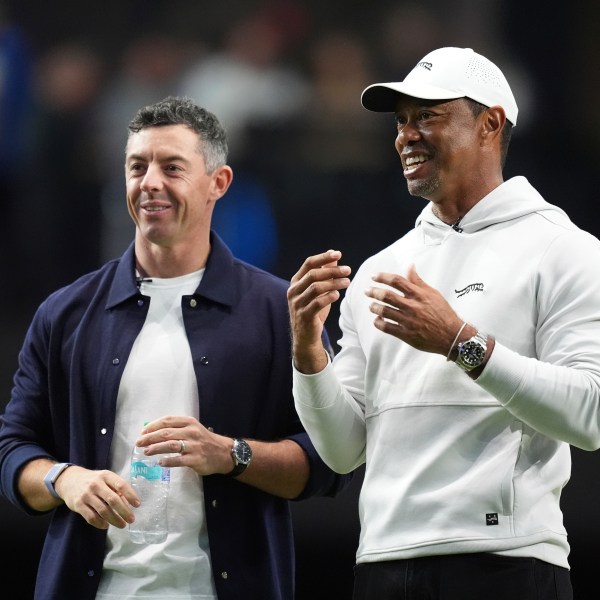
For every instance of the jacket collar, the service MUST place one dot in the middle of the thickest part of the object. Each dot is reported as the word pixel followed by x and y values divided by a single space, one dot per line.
pixel 216 285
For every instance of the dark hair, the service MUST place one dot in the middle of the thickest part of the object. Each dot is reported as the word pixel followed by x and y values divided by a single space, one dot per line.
pixel 175 110
pixel 477 108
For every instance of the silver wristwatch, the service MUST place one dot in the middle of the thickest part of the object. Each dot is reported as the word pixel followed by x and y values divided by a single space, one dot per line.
pixel 471 352
pixel 242 455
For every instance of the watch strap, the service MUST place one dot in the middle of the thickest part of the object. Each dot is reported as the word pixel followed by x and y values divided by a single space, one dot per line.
pixel 237 470
pixel 52 475
pixel 239 466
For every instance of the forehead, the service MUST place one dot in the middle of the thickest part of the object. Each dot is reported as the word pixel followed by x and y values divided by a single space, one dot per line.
pixel 164 140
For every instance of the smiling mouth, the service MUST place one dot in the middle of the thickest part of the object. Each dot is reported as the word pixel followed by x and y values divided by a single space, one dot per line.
pixel 412 163
pixel 153 208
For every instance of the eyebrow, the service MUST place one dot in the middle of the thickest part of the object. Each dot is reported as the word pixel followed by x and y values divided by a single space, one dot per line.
pixel 172 158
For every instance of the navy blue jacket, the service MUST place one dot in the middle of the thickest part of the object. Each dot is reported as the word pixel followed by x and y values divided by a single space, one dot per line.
pixel 63 406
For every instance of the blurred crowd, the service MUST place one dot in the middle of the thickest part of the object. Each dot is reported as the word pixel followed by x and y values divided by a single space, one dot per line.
pixel 312 168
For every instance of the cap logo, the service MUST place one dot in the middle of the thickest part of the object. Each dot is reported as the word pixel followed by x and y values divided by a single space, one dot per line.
pixel 425 65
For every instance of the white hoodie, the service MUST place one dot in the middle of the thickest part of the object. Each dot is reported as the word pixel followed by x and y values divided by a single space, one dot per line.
pixel 455 465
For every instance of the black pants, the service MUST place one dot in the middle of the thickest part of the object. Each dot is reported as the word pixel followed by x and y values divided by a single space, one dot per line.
pixel 462 577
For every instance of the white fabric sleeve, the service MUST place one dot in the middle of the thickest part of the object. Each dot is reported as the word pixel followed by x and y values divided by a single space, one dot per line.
pixel 558 392
pixel 333 420
pixel 560 402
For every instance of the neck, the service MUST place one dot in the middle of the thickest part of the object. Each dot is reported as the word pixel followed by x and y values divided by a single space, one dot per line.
pixel 153 260
pixel 452 219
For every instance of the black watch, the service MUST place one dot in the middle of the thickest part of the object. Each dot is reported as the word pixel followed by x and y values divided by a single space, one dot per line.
pixel 471 353
pixel 242 455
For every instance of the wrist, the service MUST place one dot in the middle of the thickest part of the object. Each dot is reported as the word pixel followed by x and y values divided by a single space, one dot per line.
pixel 52 477
pixel 310 361
pixel 241 456
pixel 464 333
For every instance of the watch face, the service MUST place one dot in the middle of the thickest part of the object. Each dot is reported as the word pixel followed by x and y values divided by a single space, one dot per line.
pixel 472 353
pixel 242 452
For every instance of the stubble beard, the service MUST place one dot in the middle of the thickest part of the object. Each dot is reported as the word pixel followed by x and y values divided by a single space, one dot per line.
pixel 425 188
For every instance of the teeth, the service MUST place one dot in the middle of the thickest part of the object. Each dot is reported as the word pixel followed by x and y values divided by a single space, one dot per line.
pixel 413 160
pixel 154 208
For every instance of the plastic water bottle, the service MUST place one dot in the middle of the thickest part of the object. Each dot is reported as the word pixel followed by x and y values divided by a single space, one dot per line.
pixel 151 483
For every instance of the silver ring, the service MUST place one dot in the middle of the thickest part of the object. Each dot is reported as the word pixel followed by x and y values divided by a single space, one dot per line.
pixel 181 446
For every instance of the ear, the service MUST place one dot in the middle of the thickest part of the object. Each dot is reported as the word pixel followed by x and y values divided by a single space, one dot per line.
pixel 222 178
pixel 493 120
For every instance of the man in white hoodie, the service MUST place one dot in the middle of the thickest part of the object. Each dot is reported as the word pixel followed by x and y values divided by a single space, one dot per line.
pixel 470 356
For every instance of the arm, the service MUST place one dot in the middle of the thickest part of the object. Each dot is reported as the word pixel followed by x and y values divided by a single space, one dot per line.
pixel 102 498
pixel 280 468
pixel 557 391
pixel 327 410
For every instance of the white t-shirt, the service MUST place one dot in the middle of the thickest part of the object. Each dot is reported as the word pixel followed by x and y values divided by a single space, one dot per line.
pixel 159 380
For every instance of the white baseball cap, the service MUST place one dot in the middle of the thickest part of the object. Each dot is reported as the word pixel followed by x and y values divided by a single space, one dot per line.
pixel 445 74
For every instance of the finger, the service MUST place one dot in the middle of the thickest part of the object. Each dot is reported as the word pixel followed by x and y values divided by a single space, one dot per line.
pixel 164 422
pixel 317 261
pixel 394 281
pixel 389 327
pixel 115 510
pixel 385 312
pixel 413 276
pixel 320 281
pixel 386 295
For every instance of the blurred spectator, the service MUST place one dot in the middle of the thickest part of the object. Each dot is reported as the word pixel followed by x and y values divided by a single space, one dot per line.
pixel 246 81
pixel 148 71
pixel 60 208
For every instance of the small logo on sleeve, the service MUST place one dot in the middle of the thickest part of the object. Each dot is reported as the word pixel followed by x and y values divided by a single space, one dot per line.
pixel 491 519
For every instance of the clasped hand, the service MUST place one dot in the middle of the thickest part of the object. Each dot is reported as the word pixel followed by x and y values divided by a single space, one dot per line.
pixel 104 498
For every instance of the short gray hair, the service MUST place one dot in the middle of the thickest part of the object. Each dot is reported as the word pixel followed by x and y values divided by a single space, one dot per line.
pixel 181 110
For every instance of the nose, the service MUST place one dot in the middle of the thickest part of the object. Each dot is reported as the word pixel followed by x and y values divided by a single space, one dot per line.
pixel 407 133
pixel 152 180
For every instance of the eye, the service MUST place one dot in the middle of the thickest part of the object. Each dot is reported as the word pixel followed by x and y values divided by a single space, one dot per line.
pixel 423 116
pixel 136 168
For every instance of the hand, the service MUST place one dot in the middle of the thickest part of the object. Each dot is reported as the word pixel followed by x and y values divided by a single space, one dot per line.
pixel 313 289
pixel 418 315
pixel 102 498
pixel 205 452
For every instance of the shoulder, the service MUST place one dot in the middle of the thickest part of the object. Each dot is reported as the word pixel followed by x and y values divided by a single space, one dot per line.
pixel 251 274
pixel 80 293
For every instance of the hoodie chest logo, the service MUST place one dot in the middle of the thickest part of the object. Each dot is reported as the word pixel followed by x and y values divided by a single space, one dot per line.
pixel 472 287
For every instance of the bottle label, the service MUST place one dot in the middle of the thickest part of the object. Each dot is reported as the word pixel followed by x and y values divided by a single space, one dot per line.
pixel 152 473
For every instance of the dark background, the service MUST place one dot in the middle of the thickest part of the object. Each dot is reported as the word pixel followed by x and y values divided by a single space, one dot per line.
pixel 313 170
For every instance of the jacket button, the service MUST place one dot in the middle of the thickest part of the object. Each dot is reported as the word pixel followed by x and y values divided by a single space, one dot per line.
pixel 193 302
pixel 224 575
pixel 204 360
pixel 214 504
pixel 116 361
pixel 140 302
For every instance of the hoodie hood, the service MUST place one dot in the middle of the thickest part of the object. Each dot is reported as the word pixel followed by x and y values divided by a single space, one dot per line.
pixel 512 199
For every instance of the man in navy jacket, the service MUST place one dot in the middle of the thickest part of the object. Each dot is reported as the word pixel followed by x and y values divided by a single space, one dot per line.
pixel 104 355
